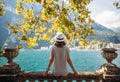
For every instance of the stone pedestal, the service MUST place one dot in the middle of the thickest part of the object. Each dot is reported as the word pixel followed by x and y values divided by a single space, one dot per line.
pixel 109 70
pixel 10 67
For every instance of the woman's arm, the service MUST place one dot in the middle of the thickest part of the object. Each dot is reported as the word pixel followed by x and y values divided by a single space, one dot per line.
pixel 49 64
pixel 71 65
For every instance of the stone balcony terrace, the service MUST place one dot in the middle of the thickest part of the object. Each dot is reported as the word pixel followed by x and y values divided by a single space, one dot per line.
pixel 108 72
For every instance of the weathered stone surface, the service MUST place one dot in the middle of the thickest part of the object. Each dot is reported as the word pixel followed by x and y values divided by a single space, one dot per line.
pixel 10 68
pixel 10 53
pixel 111 50
pixel 39 76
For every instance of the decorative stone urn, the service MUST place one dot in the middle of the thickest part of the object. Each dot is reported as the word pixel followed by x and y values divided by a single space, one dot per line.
pixel 10 67
pixel 109 54
pixel 10 54
pixel 109 68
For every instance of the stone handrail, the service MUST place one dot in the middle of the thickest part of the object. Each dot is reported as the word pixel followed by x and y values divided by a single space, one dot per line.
pixel 38 77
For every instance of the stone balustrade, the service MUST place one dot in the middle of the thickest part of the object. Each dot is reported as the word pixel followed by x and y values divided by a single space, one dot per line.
pixel 38 77
pixel 88 77
pixel 11 72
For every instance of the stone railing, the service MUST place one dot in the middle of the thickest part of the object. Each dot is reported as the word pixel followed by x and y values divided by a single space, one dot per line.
pixel 32 77
pixel 38 77
pixel 11 72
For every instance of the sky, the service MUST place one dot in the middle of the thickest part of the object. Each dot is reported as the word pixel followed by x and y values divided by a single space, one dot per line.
pixel 105 13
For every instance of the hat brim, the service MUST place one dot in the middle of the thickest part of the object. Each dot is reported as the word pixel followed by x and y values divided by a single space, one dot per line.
pixel 60 40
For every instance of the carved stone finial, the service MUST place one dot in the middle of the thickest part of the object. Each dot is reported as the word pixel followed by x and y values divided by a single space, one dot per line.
pixel 10 67
pixel 109 68
pixel 109 54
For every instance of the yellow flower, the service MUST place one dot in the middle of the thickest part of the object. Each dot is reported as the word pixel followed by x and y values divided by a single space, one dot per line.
pixel 26 1
pixel 32 42
pixel 19 47
pixel 2 4
pixel 49 32
pixel 31 12
pixel 37 30
pixel 49 1
pixel 38 1
pixel 45 37
pixel 52 40
pixel 24 30
pixel 37 34
pixel 15 31
pixel 59 30
pixel 24 37
pixel 26 16
pixel 42 28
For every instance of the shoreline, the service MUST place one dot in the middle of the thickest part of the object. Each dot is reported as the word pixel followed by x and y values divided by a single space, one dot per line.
pixel 70 49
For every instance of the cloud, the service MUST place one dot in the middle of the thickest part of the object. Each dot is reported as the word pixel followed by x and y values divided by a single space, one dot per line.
pixel 108 19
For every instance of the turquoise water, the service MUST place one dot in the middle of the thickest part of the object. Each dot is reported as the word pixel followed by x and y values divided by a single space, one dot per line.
pixel 37 60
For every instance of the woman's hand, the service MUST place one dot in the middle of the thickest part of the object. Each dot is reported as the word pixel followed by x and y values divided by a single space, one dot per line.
pixel 76 73
pixel 45 73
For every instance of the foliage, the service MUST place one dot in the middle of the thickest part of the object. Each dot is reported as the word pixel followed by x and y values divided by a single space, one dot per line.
pixel 2 4
pixel 68 16
pixel 117 4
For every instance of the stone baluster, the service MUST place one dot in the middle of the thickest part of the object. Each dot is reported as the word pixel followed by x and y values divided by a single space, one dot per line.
pixel 50 80
pixel 109 69
pixel 32 80
pixel 79 80
pixel 69 80
pixel 41 80
pixel 88 80
pixel 9 71
pixel 21 80
pixel 98 80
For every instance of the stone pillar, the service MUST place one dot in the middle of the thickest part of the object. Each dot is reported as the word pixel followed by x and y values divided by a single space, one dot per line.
pixel 111 73
pixel 9 71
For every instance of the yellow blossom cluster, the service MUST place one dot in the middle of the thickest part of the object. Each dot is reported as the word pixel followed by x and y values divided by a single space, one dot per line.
pixel 2 12
pixel 32 42
pixel 71 18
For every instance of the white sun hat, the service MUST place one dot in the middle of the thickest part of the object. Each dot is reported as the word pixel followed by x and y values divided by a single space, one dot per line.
pixel 60 37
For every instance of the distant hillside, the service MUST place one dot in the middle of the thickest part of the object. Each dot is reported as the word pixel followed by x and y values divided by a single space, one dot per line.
pixel 117 30
pixel 104 34
pixel 9 17
pixel 4 34
pixel 99 27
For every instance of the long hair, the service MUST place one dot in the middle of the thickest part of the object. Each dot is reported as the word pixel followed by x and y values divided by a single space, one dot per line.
pixel 60 44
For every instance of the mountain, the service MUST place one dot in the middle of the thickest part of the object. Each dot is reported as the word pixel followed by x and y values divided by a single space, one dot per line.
pixel 117 30
pixel 4 34
pixel 104 34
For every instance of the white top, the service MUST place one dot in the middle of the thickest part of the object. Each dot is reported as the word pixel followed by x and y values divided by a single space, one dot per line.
pixel 60 60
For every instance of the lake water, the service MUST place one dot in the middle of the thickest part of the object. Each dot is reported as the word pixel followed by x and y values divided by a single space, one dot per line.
pixel 37 60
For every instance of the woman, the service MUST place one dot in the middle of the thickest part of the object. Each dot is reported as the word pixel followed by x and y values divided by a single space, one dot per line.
pixel 60 56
